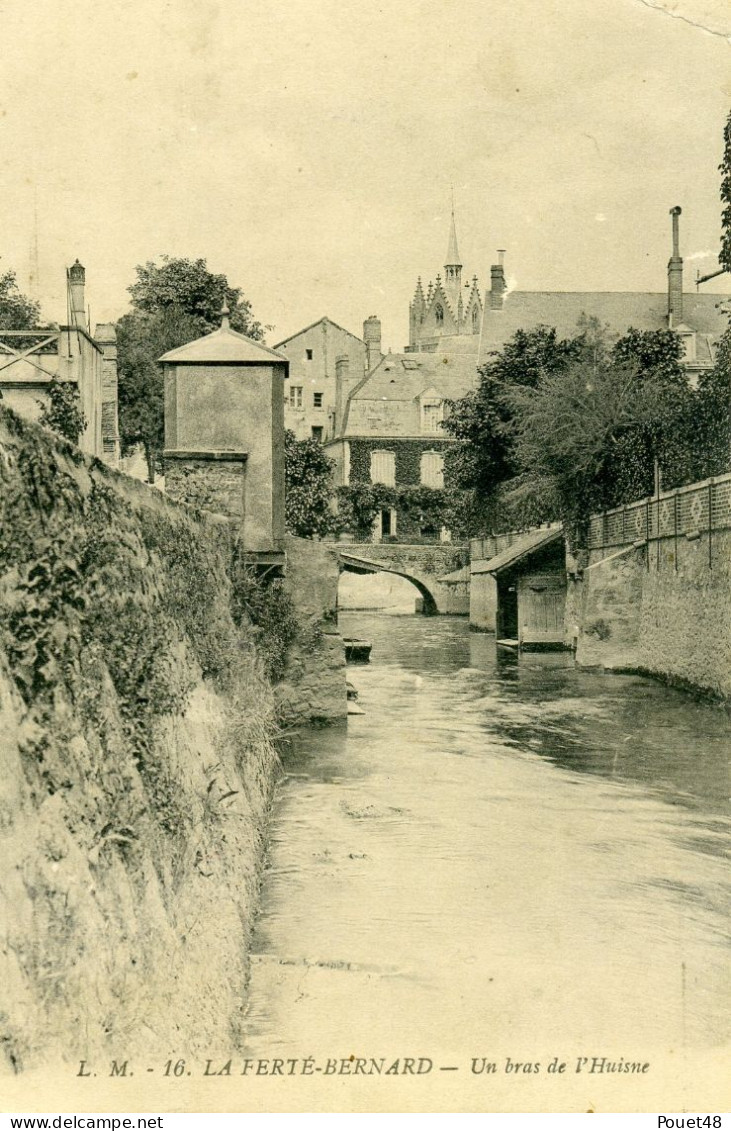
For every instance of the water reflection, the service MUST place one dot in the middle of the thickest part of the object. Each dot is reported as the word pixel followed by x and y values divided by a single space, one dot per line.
pixel 502 845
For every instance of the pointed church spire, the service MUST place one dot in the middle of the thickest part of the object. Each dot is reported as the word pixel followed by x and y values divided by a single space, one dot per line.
pixel 453 259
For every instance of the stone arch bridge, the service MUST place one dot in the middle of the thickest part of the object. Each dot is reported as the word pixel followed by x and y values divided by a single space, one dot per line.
pixel 425 566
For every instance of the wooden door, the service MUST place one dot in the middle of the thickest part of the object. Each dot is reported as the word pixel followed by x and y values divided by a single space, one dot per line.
pixel 541 608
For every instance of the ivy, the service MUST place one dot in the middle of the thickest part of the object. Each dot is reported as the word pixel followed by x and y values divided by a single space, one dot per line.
pixel 89 582
pixel 62 411
pixel 422 511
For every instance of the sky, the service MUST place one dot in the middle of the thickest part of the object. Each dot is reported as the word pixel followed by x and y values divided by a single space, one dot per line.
pixel 309 149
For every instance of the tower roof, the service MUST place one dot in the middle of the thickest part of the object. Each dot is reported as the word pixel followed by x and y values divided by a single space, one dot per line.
pixel 224 345
pixel 453 259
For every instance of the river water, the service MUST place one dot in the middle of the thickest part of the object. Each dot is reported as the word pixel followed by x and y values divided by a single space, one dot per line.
pixel 502 858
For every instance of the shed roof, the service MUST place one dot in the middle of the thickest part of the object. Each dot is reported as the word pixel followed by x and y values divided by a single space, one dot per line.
pixel 224 345
pixel 522 548
pixel 456 576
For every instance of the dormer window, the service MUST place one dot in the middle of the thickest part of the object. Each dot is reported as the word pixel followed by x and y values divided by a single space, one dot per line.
pixel 687 341
pixel 432 414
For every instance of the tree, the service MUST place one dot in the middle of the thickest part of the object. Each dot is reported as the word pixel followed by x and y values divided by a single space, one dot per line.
pixel 188 285
pixel 141 340
pixel 714 413
pixel 308 488
pixel 538 442
pixel 62 411
pixel 725 169
pixel 17 311
pixel 173 302
pixel 597 434
pixel 566 431
pixel 483 420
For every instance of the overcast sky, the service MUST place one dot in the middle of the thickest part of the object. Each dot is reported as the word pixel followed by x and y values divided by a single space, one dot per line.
pixel 307 148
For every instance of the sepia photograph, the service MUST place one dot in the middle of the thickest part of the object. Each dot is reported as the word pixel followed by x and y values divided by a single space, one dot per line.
pixel 365 557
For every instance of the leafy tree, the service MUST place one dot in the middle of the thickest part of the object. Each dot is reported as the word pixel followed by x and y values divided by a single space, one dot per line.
pixel 173 302
pixel 714 413
pixel 483 420
pixel 725 169
pixel 62 411
pixel 188 285
pixel 142 338
pixel 17 311
pixel 308 488
pixel 558 427
pixel 664 440
pixel 597 435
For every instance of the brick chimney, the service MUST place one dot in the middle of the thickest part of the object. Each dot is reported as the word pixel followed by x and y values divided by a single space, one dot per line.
pixel 342 373
pixel 675 274
pixel 498 286
pixel 372 339
pixel 77 281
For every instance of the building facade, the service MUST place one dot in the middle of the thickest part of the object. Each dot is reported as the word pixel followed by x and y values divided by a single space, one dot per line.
pixel 224 435
pixel 388 425
pixel 31 359
pixel 390 434
pixel 449 309
pixel 309 409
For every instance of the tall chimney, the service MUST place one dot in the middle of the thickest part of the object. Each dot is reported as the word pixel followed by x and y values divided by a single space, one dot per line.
pixel 675 274
pixel 342 373
pixel 498 286
pixel 77 280
pixel 372 339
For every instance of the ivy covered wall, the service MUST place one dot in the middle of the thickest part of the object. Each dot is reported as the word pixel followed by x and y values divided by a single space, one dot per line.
pixel 408 456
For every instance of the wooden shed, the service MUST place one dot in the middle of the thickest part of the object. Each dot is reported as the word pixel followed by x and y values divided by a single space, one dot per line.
pixel 531 590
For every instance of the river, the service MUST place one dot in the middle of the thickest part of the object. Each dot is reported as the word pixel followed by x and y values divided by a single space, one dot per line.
pixel 503 858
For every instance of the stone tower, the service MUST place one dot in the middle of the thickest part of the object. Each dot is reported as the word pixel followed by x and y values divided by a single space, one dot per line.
pixel 453 271
pixel 449 309
pixel 224 435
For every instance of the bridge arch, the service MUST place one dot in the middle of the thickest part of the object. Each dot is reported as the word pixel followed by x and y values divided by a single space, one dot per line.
pixel 351 563
pixel 430 604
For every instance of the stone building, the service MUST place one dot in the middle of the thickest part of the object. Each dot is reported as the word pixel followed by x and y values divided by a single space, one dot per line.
pixel 448 310
pixel 309 409
pixel 31 359
pixel 224 435
pixel 698 318
pixel 389 427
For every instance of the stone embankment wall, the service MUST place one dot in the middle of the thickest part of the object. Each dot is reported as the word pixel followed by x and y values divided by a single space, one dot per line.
pixel 312 688
pixel 136 763
pixel 656 595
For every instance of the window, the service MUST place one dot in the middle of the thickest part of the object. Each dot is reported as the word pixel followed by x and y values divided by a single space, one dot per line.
pixel 308 355
pixel 432 414
pixel 687 341
pixel 295 396
pixel 317 400
pixel 383 468
pixel 317 432
pixel 439 313
pixel 432 469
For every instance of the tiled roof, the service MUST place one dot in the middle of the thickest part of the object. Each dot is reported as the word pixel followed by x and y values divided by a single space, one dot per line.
pixel 621 310
pixel 312 326
pixel 223 345
pixel 403 376
pixel 525 545
pixel 456 577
